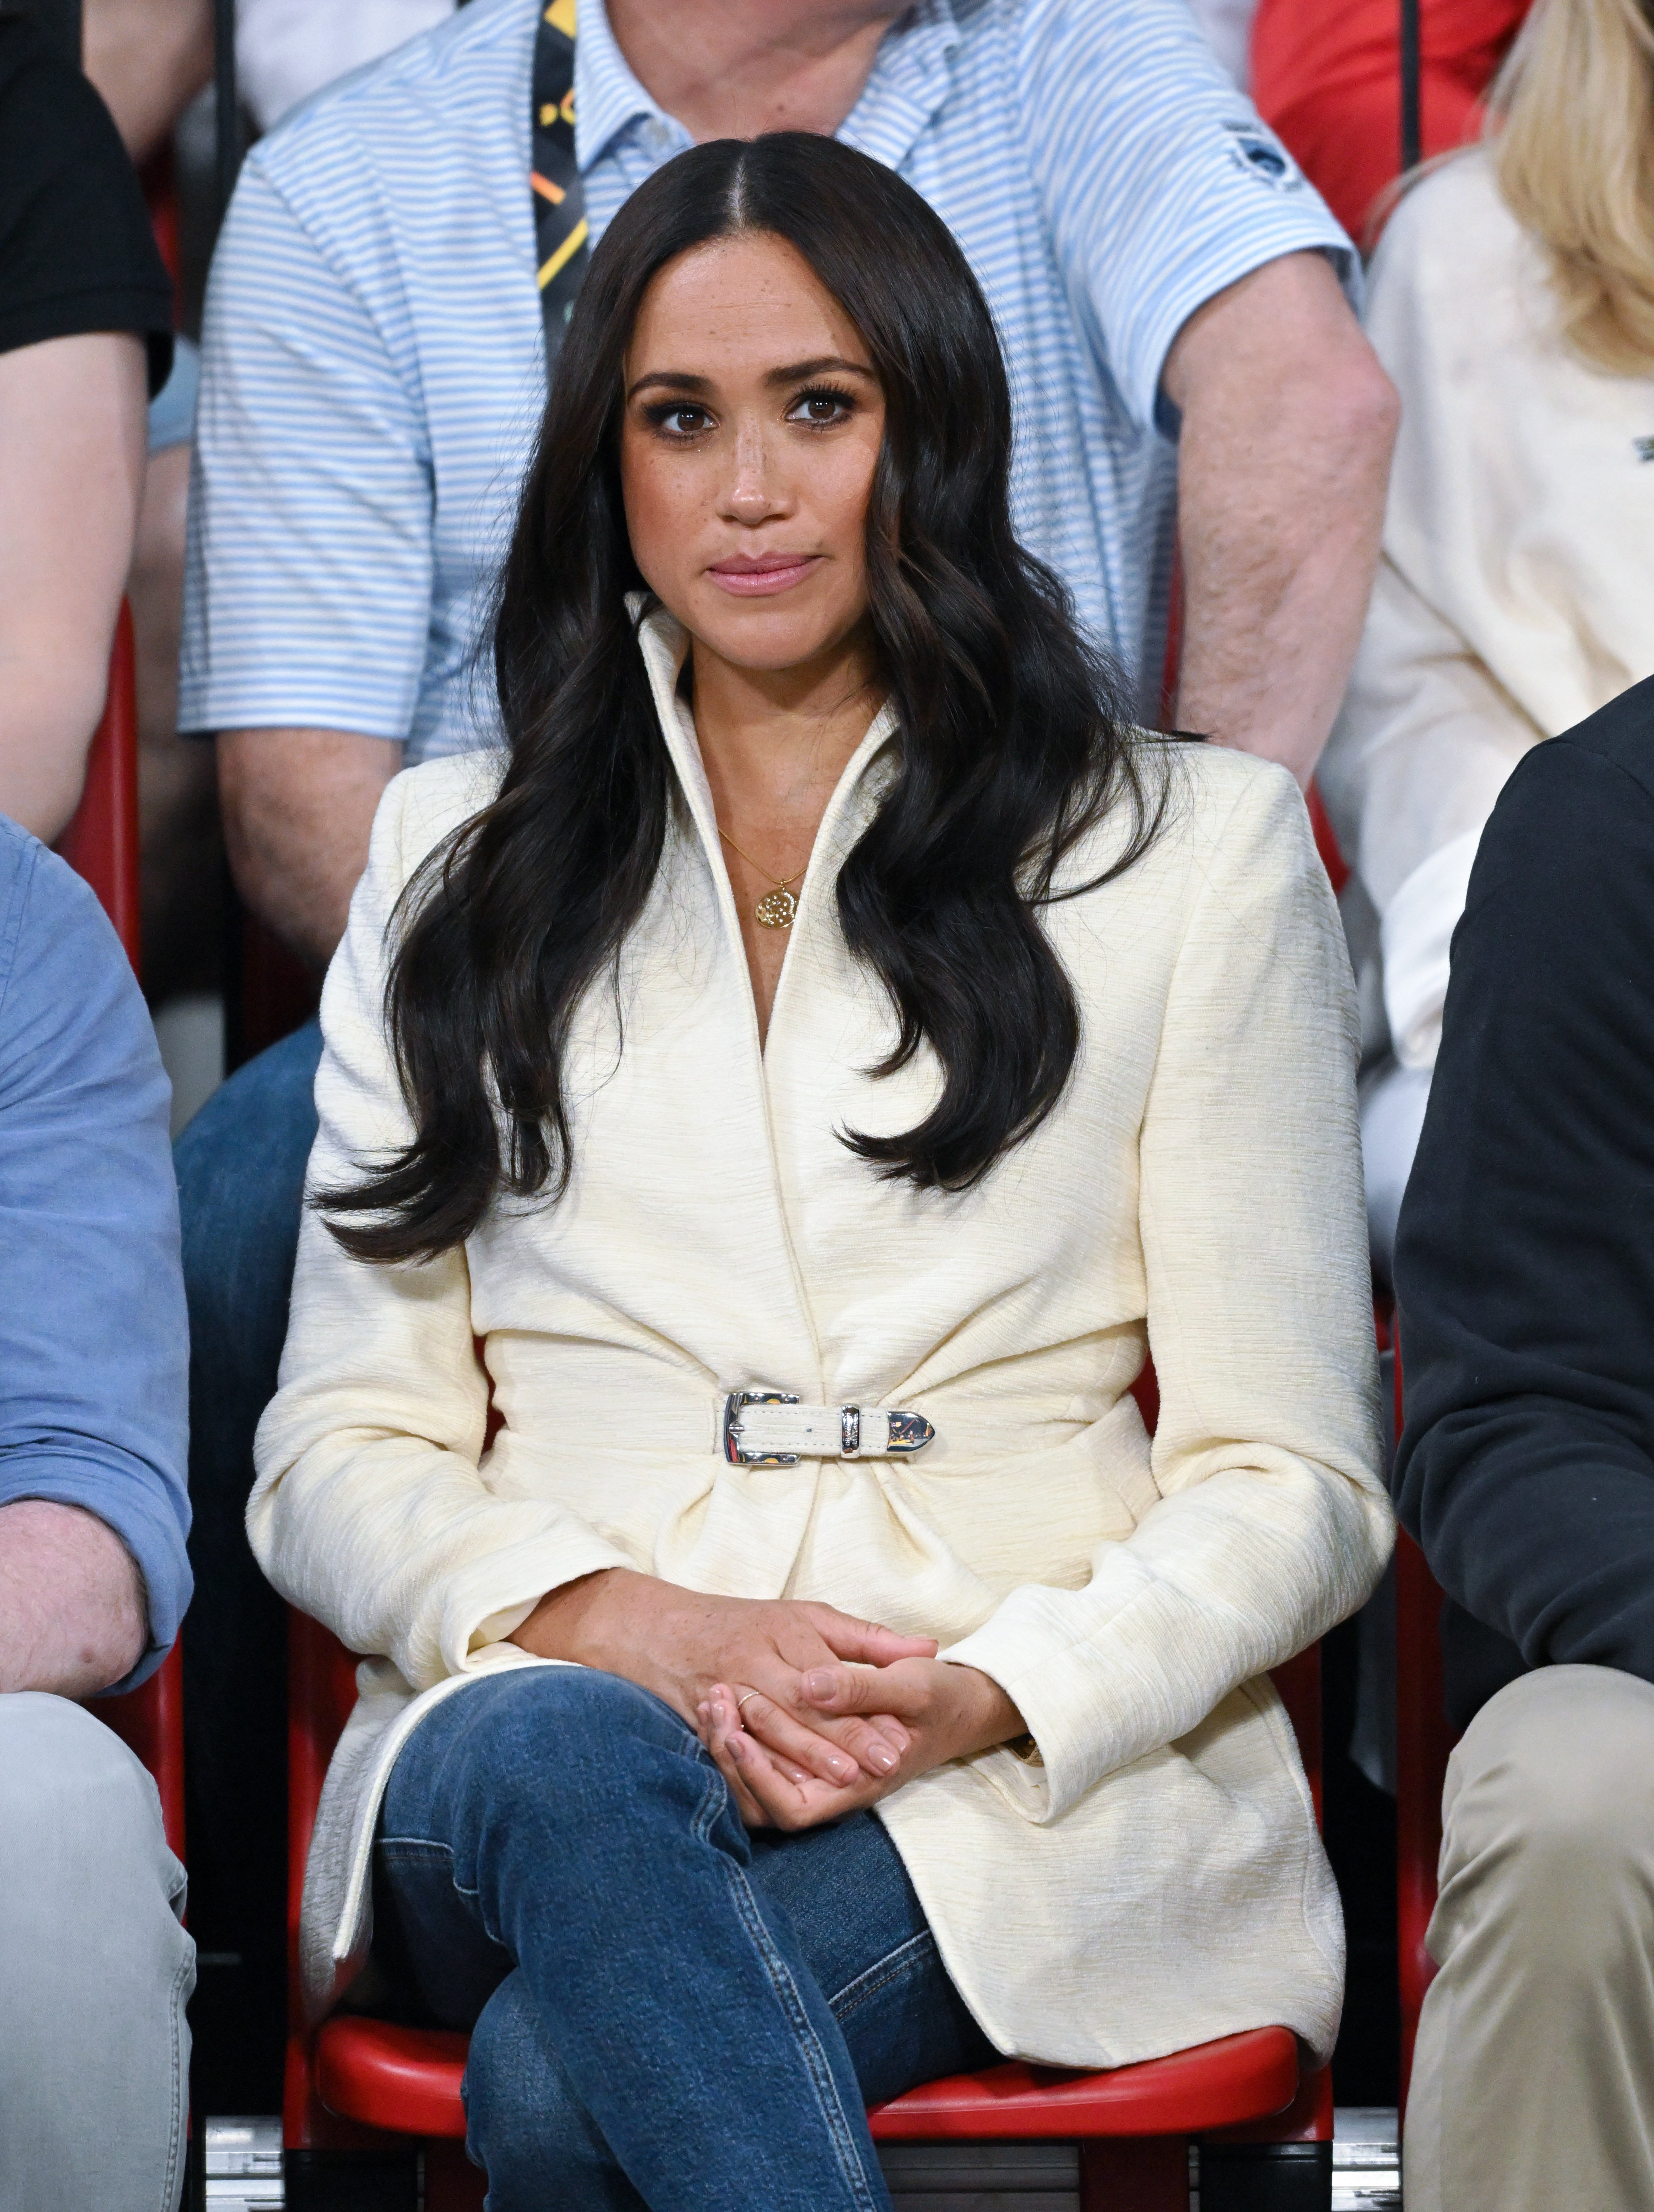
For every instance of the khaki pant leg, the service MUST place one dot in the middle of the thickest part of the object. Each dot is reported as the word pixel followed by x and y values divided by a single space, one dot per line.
pixel 1533 2084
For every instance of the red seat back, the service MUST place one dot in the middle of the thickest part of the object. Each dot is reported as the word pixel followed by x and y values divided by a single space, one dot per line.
pixel 1423 1741
pixel 102 841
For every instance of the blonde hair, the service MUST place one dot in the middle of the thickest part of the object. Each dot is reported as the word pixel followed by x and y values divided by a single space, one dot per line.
pixel 1571 117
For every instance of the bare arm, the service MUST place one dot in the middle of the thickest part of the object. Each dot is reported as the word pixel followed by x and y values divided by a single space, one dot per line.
pixel 1288 425
pixel 298 806
pixel 72 438
pixel 148 58
pixel 71 1600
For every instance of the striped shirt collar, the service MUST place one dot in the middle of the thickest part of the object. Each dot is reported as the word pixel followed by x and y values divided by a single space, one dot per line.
pixel 909 81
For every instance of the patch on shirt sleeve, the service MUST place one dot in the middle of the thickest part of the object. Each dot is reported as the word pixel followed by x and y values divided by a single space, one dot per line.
pixel 1254 148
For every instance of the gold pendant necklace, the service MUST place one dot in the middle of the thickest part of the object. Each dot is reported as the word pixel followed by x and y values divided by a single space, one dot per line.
pixel 776 909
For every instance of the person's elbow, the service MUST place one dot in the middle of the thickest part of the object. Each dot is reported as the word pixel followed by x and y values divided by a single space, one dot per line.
pixel 73 438
pixel 54 703
pixel 298 807
pixel 1353 408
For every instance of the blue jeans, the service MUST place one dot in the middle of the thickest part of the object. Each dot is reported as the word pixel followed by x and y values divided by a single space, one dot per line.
pixel 665 2011
pixel 240 1168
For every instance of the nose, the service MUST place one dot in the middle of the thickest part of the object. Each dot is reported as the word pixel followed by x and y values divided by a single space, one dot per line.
pixel 756 489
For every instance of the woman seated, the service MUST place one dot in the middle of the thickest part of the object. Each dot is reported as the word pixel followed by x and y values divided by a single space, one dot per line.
pixel 765 1119
pixel 1512 301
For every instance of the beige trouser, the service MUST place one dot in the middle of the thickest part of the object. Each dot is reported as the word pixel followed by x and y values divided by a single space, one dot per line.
pixel 1533 2084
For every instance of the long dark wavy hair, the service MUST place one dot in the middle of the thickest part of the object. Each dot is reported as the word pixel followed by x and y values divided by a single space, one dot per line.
pixel 1012 741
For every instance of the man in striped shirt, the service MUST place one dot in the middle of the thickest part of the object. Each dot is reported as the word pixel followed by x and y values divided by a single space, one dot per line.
pixel 1183 361
pixel 375 367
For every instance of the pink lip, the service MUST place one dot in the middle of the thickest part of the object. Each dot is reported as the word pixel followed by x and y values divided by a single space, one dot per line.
pixel 757 575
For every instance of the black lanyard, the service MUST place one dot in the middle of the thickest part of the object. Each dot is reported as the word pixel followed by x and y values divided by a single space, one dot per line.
pixel 560 252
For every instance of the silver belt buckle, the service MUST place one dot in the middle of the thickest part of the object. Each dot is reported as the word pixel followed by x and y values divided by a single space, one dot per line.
pixel 734 1450
pixel 903 1432
pixel 909 1432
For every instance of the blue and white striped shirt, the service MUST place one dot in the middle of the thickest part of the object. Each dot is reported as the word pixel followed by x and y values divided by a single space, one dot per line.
pixel 375 366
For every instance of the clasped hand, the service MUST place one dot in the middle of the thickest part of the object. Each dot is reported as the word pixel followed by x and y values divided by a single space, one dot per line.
pixel 809 1713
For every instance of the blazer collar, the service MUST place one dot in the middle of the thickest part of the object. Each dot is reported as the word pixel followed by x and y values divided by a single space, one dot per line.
pixel 663 643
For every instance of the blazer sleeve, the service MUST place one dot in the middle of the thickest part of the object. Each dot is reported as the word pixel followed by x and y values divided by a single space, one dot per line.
pixel 1272 1522
pixel 1524 1260
pixel 372 1510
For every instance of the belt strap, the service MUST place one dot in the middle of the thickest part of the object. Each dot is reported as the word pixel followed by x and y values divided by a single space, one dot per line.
pixel 773 1428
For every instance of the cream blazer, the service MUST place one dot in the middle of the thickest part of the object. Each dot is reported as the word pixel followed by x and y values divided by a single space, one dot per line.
pixel 1516 592
pixel 1158 1879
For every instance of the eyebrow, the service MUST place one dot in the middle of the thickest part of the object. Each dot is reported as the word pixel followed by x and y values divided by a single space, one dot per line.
pixel 796 372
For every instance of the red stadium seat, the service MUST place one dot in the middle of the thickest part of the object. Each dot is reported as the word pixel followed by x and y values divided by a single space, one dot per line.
pixel 1423 1741
pixel 101 844
pixel 358 2081
pixel 358 2084
pixel 102 841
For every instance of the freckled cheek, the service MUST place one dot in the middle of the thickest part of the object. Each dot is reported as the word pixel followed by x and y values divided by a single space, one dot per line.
pixel 666 511
pixel 842 494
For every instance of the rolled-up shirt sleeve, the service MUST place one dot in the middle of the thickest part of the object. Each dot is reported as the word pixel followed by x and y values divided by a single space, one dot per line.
pixel 1161 183
pixel 94 1334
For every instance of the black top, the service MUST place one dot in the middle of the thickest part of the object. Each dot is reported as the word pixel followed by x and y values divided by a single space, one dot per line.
pixel 76 251
pixel 1525 1262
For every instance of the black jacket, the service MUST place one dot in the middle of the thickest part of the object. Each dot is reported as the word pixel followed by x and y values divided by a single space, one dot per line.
pixel 1525 1263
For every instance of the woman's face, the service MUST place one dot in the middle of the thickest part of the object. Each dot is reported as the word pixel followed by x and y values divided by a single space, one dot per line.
pixel 752 428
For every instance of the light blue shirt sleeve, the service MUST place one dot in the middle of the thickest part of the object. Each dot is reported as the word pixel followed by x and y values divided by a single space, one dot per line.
pixel 94 1334
pixel 307 583
pixel 1160 183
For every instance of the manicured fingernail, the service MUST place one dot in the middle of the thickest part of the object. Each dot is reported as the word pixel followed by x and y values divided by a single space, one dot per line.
pixel 819 1684
pixel 881 1758
pixel 842 1768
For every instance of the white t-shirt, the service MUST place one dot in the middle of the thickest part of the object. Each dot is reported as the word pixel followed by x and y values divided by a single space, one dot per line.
pixel 1228 28
pixel 1515 594
pixel 285 50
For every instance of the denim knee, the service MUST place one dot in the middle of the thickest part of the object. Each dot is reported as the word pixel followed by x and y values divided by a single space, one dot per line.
pixel 570 1747
pixel 526 2122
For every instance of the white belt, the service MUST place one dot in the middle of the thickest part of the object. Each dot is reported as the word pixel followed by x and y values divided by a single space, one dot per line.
pixel 771 1428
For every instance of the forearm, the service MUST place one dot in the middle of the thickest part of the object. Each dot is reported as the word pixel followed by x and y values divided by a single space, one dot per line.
pixel 1283 461
pixel 298 808
pixel 1273 609
pixel 72 1616
pixel 570 1622
pixel 148 58
pixel 71 473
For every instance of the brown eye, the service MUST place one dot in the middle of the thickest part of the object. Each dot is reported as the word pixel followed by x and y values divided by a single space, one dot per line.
pixel 821 408
pixel 679 418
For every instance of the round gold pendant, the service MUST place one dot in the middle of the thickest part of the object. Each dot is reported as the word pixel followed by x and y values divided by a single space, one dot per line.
pixel 776 909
